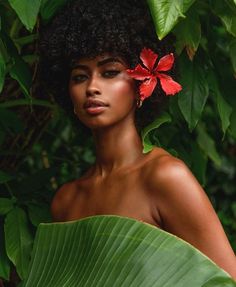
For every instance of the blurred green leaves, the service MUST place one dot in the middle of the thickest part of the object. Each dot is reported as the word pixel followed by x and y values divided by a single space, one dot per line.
pixel 147 145
pixel 18 240
pixel 166 14
pixel 27 11
pixel 192 98
pixel 41 148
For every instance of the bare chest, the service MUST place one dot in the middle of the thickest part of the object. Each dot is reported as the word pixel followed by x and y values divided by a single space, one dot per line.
pixel 123 196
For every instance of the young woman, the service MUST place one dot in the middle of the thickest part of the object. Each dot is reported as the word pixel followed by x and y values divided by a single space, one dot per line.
pixel 103 61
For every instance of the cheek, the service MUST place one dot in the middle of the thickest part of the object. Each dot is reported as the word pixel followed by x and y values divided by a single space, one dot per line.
pixel 123 91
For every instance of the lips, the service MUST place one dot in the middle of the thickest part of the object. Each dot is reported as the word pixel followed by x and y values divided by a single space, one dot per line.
pixel 93 103
pixel 95 106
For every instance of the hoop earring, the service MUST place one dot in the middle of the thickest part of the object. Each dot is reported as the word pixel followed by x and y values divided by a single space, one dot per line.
pixel 139 103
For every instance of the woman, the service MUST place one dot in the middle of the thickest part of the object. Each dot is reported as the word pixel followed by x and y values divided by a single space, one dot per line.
pixel 91 55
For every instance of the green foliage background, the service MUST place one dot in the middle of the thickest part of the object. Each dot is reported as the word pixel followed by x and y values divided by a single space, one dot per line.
pixel 41 149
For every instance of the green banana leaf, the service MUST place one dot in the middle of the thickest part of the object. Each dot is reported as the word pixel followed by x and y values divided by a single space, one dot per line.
pixel 115 251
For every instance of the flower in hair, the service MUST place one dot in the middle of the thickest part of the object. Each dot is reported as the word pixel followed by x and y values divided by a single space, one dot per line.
pixel 150 72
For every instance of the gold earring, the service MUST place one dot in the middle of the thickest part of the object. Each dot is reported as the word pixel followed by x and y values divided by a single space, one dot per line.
pixel 139 103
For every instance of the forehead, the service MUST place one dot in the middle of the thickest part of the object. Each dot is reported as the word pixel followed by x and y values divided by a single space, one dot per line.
pixel 99 60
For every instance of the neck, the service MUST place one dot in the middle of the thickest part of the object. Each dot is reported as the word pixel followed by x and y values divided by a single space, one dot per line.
pixel 116 147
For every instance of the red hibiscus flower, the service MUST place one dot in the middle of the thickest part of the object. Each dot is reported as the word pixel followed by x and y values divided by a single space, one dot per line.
pixel 148 74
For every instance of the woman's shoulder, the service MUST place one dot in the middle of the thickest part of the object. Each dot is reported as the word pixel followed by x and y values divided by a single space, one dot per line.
pixel 169 176
pixel 62 199
pixel 163 166
pixel 65 196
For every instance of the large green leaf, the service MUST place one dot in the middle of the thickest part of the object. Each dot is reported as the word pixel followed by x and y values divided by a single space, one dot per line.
pixel 50 7
pixel 4 261
pixel 166 13
pixel 147 145
pixel 232 54
pixel 232 127
pixel 188 34
pixel 18 240
pixel 27 11
pixel 6 205
pixel 19 70
pixel 224 109
pixel 226 14
pixel 195 91
pixel 108 250
pixel 207 144
pixel 3 61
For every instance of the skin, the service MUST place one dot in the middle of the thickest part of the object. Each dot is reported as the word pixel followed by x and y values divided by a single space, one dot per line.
pixel 155 188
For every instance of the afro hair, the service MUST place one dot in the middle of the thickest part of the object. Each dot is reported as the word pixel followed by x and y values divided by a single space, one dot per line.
pixel 88 28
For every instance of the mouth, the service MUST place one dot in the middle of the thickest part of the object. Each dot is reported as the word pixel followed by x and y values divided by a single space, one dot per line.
pixel 94 106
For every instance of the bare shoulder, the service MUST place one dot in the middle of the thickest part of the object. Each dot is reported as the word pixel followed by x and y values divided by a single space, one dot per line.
pixel 164 169
pixel 62 200
pixel 66 195
pixel 173 184
pixel 185 209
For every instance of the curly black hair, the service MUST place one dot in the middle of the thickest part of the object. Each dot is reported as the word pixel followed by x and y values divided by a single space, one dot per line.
pixel 88 28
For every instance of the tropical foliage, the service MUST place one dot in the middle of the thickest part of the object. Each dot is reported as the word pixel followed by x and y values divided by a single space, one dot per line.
pixel 107 250
pixel 41 149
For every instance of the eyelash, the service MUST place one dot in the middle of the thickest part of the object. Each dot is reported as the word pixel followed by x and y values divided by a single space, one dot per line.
pixel 107 74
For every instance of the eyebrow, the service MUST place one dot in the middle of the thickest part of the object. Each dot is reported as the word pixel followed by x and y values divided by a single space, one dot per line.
pixel 100 63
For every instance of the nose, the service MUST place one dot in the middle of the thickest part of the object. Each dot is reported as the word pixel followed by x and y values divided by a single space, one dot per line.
pixel 93 88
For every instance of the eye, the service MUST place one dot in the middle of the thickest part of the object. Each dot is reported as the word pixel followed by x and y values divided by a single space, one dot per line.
pixel 111 73
pixel 79 78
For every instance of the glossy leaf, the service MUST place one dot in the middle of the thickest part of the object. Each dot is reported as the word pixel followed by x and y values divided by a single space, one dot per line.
pixel 147 145
pixel 6 205
pixel 207 144
pixel 105 251
pixel 25 40
pixel 233 124
pixel 18 240
pixel 232 54
pixel 227 15
pixel 3 60
pixel 223 107
pixel 27 11
pixel 4 261
pixel 19 70
pixel 166 14
pixel 188 34
pixel 50 7
pixel 195 91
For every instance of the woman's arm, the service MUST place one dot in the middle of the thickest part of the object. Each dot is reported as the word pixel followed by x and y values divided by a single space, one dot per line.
pixel 187 212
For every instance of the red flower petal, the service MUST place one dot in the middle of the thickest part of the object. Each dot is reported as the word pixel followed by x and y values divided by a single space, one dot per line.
pixel 139 73
pixel 165 63
pixel 147 87
pixel 169 86
pixel 148 58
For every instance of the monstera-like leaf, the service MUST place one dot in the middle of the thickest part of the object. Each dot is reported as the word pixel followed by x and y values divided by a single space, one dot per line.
pixel 114 251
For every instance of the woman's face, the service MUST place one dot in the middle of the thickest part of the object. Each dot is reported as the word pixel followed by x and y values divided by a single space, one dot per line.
pixel 102 92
